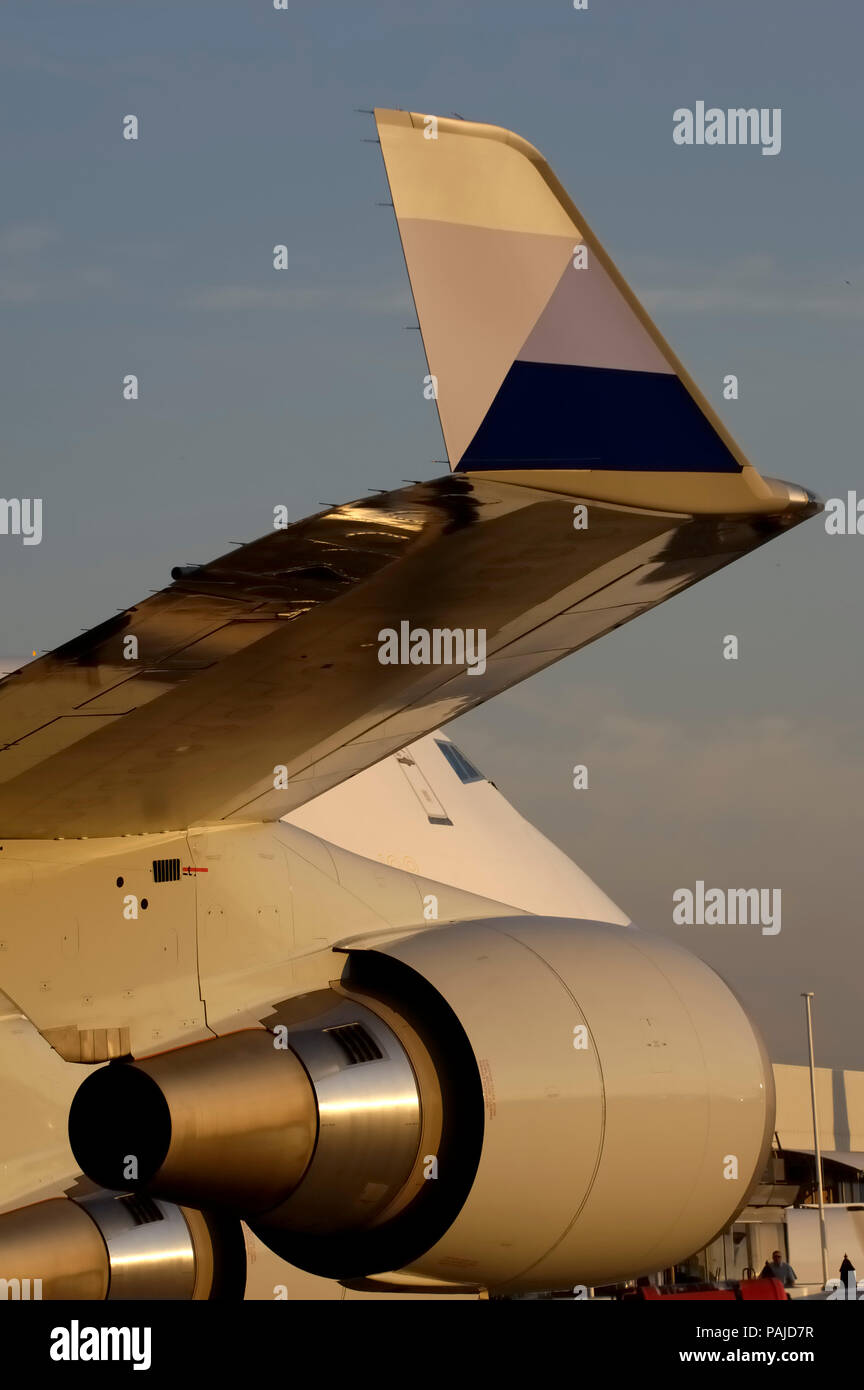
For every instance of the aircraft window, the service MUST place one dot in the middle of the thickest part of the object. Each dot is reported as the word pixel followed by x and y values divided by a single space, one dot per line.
pixel 465 770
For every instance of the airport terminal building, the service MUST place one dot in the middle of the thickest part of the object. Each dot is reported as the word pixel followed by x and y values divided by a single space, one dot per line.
pixel 783 1211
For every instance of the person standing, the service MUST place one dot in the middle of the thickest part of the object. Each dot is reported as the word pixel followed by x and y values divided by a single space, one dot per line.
pixel 777 1268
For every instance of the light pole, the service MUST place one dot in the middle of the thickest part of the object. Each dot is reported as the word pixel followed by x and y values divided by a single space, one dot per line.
pixel 816 1145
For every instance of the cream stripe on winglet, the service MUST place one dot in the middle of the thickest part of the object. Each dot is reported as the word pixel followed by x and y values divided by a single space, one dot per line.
pixel 483 180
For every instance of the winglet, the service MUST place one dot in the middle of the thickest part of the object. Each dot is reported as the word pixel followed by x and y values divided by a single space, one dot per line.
pixel 546 367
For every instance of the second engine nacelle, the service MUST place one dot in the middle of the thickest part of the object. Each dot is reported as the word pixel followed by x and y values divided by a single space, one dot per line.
pixel 106 1245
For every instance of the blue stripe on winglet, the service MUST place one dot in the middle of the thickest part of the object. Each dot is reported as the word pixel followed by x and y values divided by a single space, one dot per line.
pixel 548 415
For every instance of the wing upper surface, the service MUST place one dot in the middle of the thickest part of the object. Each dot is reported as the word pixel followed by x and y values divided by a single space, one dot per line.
pixel 268 657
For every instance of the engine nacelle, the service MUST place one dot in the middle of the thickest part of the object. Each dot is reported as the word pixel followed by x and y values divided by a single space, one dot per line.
pixel 107 1245
pixel 517 1103
pixel 628 1100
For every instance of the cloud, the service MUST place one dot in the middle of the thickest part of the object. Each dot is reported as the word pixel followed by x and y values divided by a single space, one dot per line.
pixel 26 237
pixel 20 243
pixel 753 769
pixel 731 300
pixel 385 299
pixel 754 284
pixel 764 770
pixel 25 292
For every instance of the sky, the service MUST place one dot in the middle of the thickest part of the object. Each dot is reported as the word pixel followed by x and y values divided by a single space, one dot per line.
pixel 257 388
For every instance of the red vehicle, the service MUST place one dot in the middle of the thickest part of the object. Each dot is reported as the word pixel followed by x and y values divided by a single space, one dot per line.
pixel 746 1290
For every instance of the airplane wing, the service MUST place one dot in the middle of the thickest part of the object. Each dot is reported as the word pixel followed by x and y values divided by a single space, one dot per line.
pixel 253 683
